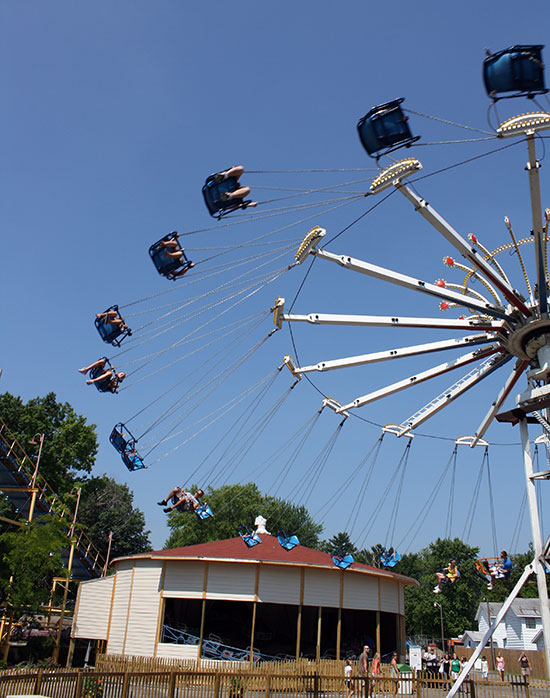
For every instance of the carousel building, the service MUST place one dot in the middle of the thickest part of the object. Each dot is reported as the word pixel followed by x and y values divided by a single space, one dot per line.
pixel 224 600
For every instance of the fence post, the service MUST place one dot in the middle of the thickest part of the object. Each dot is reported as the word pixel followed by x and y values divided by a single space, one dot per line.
pixel 172 684
pixel 417 683
pixel 316 685
pixel 38 681
pixel 268 686
pixel 472 688
pixel 217 686
pixel 79 682
pixel 526 686
pixel 125 682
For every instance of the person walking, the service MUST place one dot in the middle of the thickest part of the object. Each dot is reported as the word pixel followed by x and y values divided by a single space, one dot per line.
pixel 363 670
pixel 484 668
pixel 394 673
pixel 348 673
pixel 525 666
pixel 501 666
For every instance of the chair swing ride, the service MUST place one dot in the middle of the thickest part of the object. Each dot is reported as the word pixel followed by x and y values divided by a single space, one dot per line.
pixel 503 324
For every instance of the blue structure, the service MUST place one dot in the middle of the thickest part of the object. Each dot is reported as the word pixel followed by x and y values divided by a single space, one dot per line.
pixel 384 129
pixel 518 70
pixel 125 443
pixel 204 512
pixel 343 562
pixel 109 332
pixel 250 538
pixel 165 265
pixel 213 192
pixel 389 559
pixel 287 542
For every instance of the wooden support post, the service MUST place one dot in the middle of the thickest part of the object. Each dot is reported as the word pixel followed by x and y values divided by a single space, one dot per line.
pixel 298 632
pixel 70 653
pixel 172 685
pixel 201 632
pixel 6 645
pixel 318 644
pixel 252 631
pixel 338 633
pixel 378 641
pixel 38 681
pixel 268 686
pixel 217 686
pixel 125 683
pixel 79 682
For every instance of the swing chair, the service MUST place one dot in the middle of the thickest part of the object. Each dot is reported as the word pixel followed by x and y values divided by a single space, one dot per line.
pixel 124 442
pixel 343 561
pixel 112 332
pixel 449 581
pixel 213 192
pixel 518 70
pixel 165 265
pixel 483 566
pixel 390 558
pixel 203 512
pixel 384 129
pixel 287 542
pixel 108 384
pixel 250 538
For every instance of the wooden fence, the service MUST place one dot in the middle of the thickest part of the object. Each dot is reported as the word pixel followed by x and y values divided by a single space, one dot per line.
pixel 536 657
pixel 223 684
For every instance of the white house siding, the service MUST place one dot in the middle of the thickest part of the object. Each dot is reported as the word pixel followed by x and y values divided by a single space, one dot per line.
pixel 231 582
pixel 528 634
pixel 322 587
pixel 173 651
pixel 184 579
pixel 499 636
pixel 389 596
pixel 360 591
pixel 279 585
pixel 93 609
pixel 115 641
pixel 144 608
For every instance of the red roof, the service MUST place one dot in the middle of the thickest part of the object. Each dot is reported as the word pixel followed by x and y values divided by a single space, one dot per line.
pixel 268 551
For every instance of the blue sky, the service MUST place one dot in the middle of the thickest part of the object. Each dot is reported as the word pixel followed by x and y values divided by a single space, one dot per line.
pixel 115 114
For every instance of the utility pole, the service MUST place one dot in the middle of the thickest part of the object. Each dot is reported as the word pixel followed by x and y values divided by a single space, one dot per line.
pixel 438 605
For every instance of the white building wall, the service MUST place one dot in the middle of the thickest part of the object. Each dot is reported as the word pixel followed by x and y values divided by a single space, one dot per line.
pixel 527 634
pixel 279 585
pixel 500 634
pixel 174 651
pixel 94 605
pixel 360 591
pixel 322 587
pixel 144 608
pixel 115 641
pixel 389 596
pixel 184 579
pixel 231 582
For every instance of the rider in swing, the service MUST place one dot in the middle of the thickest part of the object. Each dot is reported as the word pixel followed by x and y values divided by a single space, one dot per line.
pixel 181 500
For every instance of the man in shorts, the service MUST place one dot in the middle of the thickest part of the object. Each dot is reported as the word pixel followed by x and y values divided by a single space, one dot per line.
pixel 181 500
pixel 501 570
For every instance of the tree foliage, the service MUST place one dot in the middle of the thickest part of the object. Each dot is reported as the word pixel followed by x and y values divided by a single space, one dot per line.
pixel 70 445
pixel 31 558
pixel 235 505
pixel 105 506
pixel 339 543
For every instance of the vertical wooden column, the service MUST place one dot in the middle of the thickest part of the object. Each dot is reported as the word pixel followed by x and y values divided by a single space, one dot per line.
pixel 162 606
pixel 129 608
pixel 318 643
pixel 378 638
pixel 254 607
pixel 203 612
pixel 339 622
pixel 299 620
pixel 110 613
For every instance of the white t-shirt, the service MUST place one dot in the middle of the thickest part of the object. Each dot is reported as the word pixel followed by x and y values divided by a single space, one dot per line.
pixel 348 671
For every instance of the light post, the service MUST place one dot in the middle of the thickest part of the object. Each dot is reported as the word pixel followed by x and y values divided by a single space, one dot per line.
pixel 438 605
pixel 35 472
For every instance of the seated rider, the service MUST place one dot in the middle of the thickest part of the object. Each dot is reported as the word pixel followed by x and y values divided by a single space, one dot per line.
pixel 448 575
pixel 112 317
pixel 240 193
pixel 110 378
pixel 501 570
pixel 181 500
pixel 172 249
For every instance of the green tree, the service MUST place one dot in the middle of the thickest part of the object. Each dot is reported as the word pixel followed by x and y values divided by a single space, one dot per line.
pixel 106 505
pixel 339 543
pixel 373 556
pixel 459 601
pixel 235 505
pixel 70 445
pixel 31 558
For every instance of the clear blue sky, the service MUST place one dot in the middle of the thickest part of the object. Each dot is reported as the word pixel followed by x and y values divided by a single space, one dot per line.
pixel 113 116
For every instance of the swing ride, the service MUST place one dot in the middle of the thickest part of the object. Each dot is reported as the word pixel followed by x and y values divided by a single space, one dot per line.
pixel 500 324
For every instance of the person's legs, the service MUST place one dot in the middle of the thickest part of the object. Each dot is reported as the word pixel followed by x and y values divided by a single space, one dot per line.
pixel 104 376
pixel 172 493
pixel 175 254
pixel 183 271
pixel 100 363
pixel 235 171
pixel 239 193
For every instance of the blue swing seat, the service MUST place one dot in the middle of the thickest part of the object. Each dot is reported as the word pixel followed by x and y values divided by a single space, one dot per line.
pixel 212 192
pixel 390 559
pixel 166 266
pixel 105 385
pixel 124 442
pixel 384 129
pixel 110 333
pixel 204 512
pixel 518 69
pixel 250 538
pixel 287 542
pixel 343 562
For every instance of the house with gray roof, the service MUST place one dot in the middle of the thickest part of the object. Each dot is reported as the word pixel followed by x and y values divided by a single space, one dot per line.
pixel 521 628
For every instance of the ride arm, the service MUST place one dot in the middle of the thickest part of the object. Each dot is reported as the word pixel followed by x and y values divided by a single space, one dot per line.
pixel 401 352
pixel 409 282
pixel 423 376
pixel 506 389
pixel 465 249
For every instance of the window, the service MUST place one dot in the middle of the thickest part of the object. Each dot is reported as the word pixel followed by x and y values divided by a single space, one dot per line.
pixel 531 623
